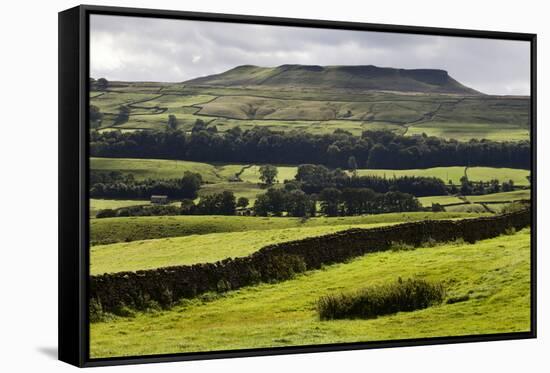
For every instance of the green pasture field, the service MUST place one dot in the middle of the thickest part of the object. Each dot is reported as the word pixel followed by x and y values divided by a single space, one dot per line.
pixel 250 107
pixel 239 189
pixel 518 176
pixel 454 173
pixel 442 200
pixel 177 101
pixel 497 207
pixel 471 208
pixel 110 102
pixel 316 111
pixel 466 131
pixel 125 229
pixel 515 195
pixel 97 204
pixel 172 169
pixel 155 168
pixel 252 174
pixel 314 127
pixel 491 276
pixel 192 249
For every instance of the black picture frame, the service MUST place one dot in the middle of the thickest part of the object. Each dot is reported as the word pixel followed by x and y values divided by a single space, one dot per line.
pixel 73 184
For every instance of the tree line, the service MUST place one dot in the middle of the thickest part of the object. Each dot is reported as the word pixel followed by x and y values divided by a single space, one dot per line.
pixel 314 178
pixel 119 186
pixel 373 149
pixel 286 201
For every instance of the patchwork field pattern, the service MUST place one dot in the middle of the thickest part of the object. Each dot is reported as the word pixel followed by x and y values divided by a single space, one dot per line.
pixel 315 110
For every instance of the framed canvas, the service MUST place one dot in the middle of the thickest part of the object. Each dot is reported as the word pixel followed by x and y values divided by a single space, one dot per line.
pixel 234 186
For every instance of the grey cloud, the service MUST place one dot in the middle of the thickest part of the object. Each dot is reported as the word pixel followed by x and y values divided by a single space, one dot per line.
pixel 148 49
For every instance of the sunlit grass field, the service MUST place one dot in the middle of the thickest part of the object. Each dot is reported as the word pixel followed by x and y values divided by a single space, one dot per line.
pixel 492 277
pixel 102 204
pixel 126 229
pixel 467 131
pixel 442 200
pixel 502 197
pixel 205 248
pixel 518 176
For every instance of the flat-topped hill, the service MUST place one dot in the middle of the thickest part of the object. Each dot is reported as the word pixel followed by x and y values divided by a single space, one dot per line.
pixel 364 77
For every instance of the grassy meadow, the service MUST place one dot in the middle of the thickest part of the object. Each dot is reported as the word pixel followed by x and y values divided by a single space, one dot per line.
pixel 491 278
pixel 203 248
pixel 126 229
pixel 97 204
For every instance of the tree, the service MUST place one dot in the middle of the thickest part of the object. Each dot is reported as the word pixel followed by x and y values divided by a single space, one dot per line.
pixel 298 203
pixel 95 113
pixel 190 183
pixel 330 201
pixel 352 164
pixel 261 205
pixel 123 114
pixel 172 122
pixel 466 186
pixel 102 84
pixel 268 174
pixel 508 186
pixel 378 156
pixel 227 203
pixel 333 153
pixel 217 204
pixel 436 207
pixel 199 125
pixel 276 201
pixel 242 202
pixel 95 116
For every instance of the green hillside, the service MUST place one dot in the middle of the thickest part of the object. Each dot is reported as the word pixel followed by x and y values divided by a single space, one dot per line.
pixel 125 229
pixel 205 248
pixel 488 281
pixel 318 99
pixel 365 77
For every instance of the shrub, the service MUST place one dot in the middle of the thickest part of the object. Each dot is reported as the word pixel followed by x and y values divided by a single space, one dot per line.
pixel 408 295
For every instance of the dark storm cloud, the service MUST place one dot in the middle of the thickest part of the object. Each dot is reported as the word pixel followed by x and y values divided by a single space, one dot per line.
pixel 147 49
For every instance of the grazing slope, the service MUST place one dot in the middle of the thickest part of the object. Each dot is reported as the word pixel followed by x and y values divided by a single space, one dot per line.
pixel 488 283
pixel 111 230
pixel 340 77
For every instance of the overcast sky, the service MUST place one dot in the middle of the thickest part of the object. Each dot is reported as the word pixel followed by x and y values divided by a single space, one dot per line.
pixel 149 49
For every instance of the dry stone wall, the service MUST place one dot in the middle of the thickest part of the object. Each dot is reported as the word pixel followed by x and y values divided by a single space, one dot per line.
pixel 281 261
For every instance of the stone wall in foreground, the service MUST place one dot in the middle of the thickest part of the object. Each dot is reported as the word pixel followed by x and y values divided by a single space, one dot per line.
pixel 281 261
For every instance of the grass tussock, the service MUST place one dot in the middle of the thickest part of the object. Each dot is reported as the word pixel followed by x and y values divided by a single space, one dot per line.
pixel 368 303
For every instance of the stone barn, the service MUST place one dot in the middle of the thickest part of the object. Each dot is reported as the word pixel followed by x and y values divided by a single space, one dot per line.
pixel 159 200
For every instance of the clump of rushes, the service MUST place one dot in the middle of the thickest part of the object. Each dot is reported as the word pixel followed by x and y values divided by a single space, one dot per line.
pixel 400 296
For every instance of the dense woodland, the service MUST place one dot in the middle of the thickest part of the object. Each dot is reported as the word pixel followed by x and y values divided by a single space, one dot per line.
pixel 373 149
